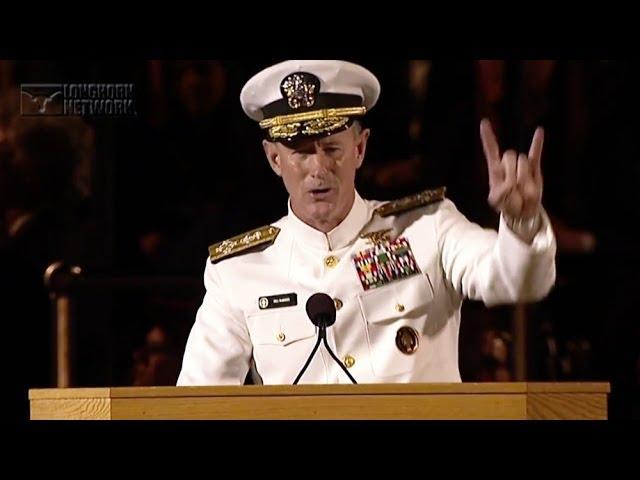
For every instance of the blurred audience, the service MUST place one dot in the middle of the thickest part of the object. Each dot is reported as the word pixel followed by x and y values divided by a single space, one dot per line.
pixel 158 357
pixel 44 219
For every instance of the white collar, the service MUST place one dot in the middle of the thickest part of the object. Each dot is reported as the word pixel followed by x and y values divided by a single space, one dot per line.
pixel 341 236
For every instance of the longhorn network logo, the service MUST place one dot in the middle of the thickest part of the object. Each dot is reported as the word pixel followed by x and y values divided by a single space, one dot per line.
pixel 77 99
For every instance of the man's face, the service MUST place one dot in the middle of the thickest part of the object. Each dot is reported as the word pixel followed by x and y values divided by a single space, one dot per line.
pixel 319 174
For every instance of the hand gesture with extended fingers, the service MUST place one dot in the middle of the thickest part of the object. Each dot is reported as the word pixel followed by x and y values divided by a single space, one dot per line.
pixel 515 181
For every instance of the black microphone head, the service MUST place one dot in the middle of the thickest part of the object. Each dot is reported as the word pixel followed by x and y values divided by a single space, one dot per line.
pixel 321 309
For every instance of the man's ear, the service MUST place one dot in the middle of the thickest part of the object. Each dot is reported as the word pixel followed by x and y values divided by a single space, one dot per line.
pixel 271 151
pixel 361 146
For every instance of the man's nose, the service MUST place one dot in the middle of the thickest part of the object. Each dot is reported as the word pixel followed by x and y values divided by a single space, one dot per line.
pixel 320 164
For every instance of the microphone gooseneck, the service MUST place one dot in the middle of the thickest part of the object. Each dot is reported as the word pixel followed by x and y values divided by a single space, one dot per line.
pixel 322 313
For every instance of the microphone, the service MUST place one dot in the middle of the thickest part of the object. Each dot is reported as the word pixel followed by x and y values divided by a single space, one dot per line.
pixel 322 312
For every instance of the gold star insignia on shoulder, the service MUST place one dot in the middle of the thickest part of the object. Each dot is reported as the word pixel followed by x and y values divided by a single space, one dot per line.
pixel 243 243
pixel 411 202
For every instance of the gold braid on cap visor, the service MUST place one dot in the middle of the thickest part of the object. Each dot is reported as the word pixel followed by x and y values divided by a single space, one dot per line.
pixel 310 123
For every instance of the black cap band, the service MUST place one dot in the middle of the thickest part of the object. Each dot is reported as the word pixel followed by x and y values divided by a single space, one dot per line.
pixel 324 100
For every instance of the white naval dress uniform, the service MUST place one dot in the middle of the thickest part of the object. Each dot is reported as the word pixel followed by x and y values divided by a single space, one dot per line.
pixel 456 259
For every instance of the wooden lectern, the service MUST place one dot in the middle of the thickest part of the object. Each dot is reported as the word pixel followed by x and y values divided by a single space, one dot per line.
pixel 444 401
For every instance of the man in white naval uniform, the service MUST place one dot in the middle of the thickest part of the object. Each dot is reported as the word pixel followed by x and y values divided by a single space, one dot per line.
pixel 397 271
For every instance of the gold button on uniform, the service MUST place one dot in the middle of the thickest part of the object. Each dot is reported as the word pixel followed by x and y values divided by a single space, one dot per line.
pixel 280 337
pixel 338 303
pixel 349 361
pixel 399 307
pixel 331 261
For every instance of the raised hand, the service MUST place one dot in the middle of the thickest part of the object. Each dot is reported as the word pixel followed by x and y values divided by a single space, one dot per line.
pixel 515 181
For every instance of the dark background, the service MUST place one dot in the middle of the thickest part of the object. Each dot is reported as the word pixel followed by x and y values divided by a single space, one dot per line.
pixel 141 199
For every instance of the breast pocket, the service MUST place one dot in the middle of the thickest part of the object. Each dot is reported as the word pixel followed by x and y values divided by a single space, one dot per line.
pixel 395 316
pixel 282 341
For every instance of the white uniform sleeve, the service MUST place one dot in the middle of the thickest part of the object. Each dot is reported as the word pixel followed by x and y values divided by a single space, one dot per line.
pixel 218 350
pixel 495 267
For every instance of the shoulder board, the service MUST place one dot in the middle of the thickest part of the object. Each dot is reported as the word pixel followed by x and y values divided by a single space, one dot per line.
pixel 245 242
pixel 411 202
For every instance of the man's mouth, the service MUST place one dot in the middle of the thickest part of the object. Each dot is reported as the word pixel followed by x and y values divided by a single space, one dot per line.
pixel 320 193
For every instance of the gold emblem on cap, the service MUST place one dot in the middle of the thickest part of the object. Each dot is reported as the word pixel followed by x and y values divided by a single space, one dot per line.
pixel 399 307
pixel 300 90
pixel 322 125
pixel 311 127
pixel 407 340
pixel 338 303
pixel 284 131
pixel 281 337
pixel 313 115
